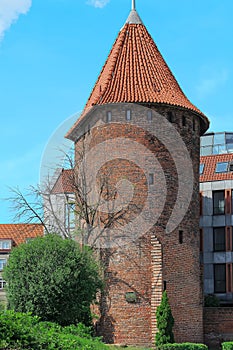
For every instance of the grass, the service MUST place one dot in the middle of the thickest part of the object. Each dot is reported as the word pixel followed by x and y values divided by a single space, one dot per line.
pixel 128 347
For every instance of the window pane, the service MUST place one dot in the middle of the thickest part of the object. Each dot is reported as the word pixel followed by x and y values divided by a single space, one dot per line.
pixel 221 167
pixel 109 117
pixel 219 202
pixel 128 115
pixel 207 140
pixel 219 239
pixel 5 244
pixel 201 169
pixel 151 179
pixel 220 278
pixel 2 283
pixel 149 116
pixel 206 151
pixel 219 139
pixel 229 138
pixel 2 263
pixel 230 148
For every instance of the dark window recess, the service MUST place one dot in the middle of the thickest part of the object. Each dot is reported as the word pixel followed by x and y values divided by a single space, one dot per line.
pixel 181 236
pixel 164 285
pixel 109 117
pixel 151 179
pixel 219 202
pixel 184 121
pixel 194 125
pixel 170 117
pixel 128 115
pixel 219 239
pixel 219 278
pixel 221 167
pixel 149 116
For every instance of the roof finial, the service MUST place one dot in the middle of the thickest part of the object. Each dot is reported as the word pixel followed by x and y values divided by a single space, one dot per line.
pixel 133 16
pixel 133 4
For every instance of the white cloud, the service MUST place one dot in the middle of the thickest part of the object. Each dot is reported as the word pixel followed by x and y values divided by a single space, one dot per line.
pixel 98 3
pixel 211 82
pixel 10 10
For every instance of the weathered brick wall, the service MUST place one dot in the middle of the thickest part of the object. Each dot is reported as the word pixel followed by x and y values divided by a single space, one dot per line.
pixel 218 326
pixel 155 257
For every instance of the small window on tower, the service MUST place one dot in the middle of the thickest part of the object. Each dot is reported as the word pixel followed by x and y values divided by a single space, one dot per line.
pixel 194 125
pixel 170 117
pixel 128 115
pixel 151 179
pixel 109 117
pixel 149 116
pixel 184 123
pixel 181 237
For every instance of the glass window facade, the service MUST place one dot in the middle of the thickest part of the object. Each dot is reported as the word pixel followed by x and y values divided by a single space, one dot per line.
pixel 218 143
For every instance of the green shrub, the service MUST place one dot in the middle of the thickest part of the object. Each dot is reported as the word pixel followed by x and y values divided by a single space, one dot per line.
pixel 184 346
pixel 165 323
pixel 23 331
pixel 211 300
pixel 227 346
pixel 54 279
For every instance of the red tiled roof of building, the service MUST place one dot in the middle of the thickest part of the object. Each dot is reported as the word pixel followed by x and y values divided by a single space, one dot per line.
pixel 136 72
pixel 65 182
pixel 210 163
pixel 20 232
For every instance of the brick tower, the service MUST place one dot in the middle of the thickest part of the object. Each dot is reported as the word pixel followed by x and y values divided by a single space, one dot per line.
pixel 138 107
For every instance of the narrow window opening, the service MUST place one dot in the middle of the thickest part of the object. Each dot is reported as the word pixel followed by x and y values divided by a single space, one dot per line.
pixel 181 237
pixel 183 121
pixel 151 179
pixel 164 285
pixel 128 115
pixel 149 116
pixel 170 117
pixel 201 240
pixel 109 117
pixel 194 125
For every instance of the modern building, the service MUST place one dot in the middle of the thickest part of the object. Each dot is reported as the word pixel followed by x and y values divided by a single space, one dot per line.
pixel 216 210
pixel 11 235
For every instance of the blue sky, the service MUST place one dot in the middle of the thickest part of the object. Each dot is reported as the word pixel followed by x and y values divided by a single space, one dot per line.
pixel 52 51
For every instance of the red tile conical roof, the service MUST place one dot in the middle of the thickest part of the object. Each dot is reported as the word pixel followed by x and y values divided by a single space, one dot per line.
pixel 136 72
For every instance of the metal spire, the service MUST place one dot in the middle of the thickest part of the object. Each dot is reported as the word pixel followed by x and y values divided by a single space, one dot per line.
pixel 133 16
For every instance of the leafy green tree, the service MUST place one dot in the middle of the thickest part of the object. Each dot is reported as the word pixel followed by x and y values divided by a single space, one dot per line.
pixel 54 279
pixel 165 322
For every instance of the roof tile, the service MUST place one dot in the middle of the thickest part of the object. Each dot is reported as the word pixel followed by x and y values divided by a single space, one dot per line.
pixel 135 71
pixel 210 162
pixel 20 232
